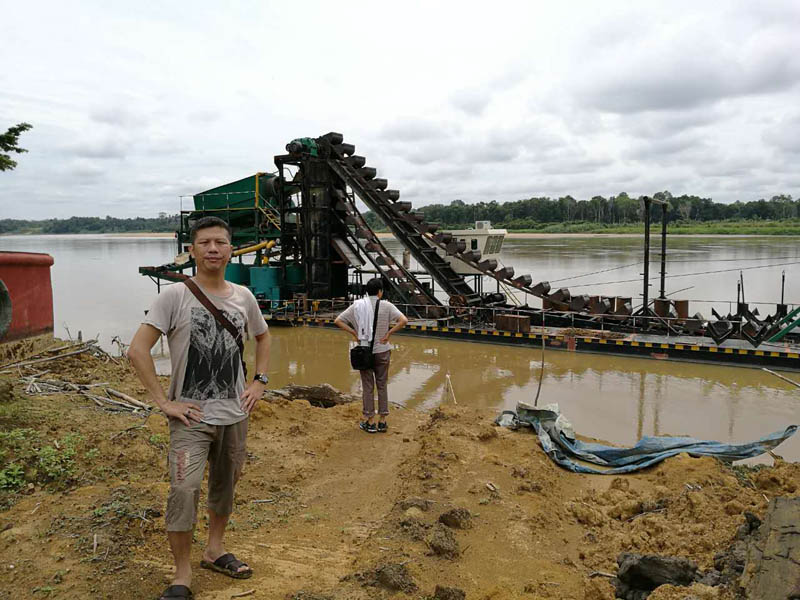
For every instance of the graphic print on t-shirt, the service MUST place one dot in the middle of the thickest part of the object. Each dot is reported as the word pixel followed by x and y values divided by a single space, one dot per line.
pixel 212 367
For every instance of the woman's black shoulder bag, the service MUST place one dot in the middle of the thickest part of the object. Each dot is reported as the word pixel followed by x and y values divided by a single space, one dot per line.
pixel 361 357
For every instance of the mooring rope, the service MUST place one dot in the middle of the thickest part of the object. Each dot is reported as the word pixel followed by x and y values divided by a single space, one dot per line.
pixel 541 370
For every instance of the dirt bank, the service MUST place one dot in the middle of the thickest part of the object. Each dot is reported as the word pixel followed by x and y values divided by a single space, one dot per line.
pixel 328 510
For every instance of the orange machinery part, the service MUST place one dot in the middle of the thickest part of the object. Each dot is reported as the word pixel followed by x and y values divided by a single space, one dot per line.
pixel 26 276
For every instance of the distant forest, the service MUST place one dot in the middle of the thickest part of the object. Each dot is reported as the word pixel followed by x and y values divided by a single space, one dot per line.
pixel 600 212
pixel 162 223
pixel 566 214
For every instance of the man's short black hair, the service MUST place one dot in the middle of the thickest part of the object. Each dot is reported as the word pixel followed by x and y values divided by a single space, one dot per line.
pixel 207 222
pixel 374 286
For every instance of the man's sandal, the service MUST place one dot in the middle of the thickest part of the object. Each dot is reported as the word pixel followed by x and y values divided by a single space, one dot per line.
pixel 176 591
pixel 229 565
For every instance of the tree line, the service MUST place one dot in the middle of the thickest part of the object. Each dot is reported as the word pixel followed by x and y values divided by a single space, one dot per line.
pixel 614 210
pixel 162 223
pixel 531 213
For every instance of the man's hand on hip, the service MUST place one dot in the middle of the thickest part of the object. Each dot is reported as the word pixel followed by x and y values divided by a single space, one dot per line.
pixel 251 395
pixel 185 411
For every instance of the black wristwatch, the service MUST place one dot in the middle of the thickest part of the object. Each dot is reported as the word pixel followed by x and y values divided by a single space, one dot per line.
pixel 262 377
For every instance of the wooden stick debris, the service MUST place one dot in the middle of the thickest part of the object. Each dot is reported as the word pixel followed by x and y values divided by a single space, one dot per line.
pixel 110 401
pixel 128 399
pixel 594 574
pixel 647 512
pixel 452 391
pixel 120 401
pixel 37 361
pixel 48 351
pixel 243 594
pixel 779 376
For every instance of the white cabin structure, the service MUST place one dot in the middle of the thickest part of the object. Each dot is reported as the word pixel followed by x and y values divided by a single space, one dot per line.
pixel 483 238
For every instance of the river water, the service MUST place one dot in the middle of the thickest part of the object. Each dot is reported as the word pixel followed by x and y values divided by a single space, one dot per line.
pixel 98 290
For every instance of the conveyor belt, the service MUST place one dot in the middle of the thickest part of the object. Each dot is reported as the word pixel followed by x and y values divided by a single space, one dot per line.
pixel 404 283
pixel 420 238
pixel 406 229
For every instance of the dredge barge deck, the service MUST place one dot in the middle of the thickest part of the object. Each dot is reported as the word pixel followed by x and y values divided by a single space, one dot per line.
pixel 305 249
pixel 783 356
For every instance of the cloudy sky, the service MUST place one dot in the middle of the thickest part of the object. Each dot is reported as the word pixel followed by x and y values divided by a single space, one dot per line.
pixel 135 104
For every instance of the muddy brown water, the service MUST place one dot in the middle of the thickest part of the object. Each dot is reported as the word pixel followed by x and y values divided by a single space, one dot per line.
pixel 97 290
pixel 610 398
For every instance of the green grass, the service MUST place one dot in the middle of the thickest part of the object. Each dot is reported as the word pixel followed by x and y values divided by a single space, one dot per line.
pixel 31 458
pixel 27 457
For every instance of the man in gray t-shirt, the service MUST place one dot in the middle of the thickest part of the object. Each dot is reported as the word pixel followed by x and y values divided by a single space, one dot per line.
pixel 206 368
pixel 357 320
pixel 209 401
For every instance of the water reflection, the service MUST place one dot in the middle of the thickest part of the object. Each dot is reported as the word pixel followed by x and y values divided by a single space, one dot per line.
pixel 612 398
pixel 97 289
pixel 96 285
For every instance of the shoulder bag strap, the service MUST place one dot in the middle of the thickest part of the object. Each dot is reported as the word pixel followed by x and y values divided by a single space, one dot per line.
pixel 221 319
pixel 374 325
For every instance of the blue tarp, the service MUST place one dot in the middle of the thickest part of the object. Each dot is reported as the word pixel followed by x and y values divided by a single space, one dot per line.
pixel 558 442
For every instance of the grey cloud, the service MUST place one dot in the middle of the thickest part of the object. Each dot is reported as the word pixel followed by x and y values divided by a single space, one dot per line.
pixel 728 166
pixel 677 89
pixel 575 165
pixel 413 189
pixel 164 145
pixel 102 148
pixel 766 14
pixel 449 172
pixel 117 115
pixel 785 135
pixel 656 124
pixel 646 149
pixel 521 135
pixel 689 69
pixel 492 153
pixel 756 181
pixel 85 170
pixel 531 140
pixel 689 86
pixel 472 101
pixel 124 144
pixel 426 153
pixel 417 129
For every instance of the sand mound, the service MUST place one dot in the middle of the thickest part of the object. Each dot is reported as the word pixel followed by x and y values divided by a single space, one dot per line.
pixel 321 501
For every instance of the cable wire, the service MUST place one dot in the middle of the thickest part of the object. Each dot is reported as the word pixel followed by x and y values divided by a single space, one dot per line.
pixel 601 271
pixel 691 260
pixel 654 278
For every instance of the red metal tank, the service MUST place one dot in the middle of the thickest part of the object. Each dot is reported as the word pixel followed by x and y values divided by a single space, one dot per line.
pixel 26 295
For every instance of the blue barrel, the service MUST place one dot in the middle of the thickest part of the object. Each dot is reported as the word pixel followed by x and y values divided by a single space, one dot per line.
pixel 265 280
